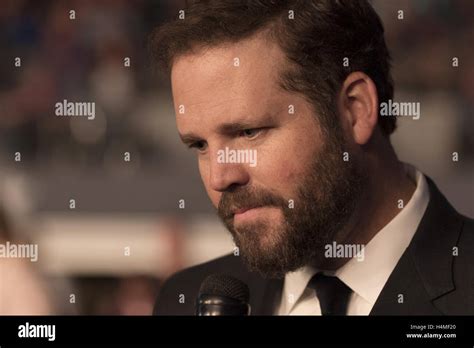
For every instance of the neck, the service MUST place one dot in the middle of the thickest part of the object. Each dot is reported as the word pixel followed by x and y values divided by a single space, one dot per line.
pixel 388 183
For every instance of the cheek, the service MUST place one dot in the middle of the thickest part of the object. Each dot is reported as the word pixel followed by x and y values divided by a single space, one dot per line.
pixel 286 162
pixel 282 172
pixel 288 173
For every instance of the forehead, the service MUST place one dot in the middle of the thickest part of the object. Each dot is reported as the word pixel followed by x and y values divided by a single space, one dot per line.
pixel 228 80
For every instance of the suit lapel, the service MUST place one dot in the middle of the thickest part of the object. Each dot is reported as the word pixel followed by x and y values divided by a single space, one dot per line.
pixel 271 297
pixel 424 272
pixel 404 294
pixel 265 295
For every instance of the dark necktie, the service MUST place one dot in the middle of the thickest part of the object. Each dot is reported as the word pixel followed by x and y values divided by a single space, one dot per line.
pixel 332 293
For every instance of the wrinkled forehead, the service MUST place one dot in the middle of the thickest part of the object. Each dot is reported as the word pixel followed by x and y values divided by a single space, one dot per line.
pixel 229 79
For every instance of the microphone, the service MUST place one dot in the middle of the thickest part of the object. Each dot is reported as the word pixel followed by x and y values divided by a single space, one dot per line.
pixel 221 294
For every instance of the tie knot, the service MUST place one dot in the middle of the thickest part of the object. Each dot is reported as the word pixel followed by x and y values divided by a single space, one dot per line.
pixel 332 293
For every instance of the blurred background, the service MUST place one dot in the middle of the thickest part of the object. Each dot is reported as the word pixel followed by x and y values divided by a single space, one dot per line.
pixel 109 227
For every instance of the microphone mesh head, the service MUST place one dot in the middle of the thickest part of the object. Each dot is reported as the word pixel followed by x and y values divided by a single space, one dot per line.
pixel 225 285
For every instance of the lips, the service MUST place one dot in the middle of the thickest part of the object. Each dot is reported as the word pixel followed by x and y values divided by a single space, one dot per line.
pixel 242 210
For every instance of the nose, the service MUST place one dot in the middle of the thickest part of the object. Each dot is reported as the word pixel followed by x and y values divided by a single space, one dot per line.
pixel 224 175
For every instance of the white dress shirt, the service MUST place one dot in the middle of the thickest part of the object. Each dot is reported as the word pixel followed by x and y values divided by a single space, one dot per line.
pixel 366 278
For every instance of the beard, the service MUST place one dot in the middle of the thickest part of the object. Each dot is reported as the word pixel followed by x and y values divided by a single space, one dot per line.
pixel 325 200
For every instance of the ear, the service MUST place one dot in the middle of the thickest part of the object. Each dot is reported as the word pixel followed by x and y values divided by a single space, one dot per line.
pixel 358 106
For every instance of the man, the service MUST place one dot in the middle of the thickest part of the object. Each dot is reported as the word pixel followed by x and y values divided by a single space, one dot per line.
pixel 326 220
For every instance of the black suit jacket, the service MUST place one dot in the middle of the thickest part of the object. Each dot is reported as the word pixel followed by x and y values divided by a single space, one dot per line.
pixel 431 277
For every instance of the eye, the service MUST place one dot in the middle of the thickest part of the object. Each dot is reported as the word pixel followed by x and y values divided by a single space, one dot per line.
pixel 251 133
pixel 198 145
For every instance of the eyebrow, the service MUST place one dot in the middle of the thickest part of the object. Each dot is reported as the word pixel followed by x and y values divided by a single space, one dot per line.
pixel 225 129
pixel 189 138
pixel 234 127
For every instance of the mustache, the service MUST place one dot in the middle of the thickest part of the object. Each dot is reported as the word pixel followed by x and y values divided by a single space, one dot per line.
pixel 247 197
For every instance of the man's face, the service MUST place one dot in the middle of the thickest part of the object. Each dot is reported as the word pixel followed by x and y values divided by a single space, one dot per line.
pixel 283 207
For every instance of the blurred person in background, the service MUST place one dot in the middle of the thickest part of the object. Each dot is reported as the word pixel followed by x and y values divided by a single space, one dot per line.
pixel 23 290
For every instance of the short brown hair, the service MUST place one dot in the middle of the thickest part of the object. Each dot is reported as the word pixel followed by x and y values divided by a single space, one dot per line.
pixel 316 41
